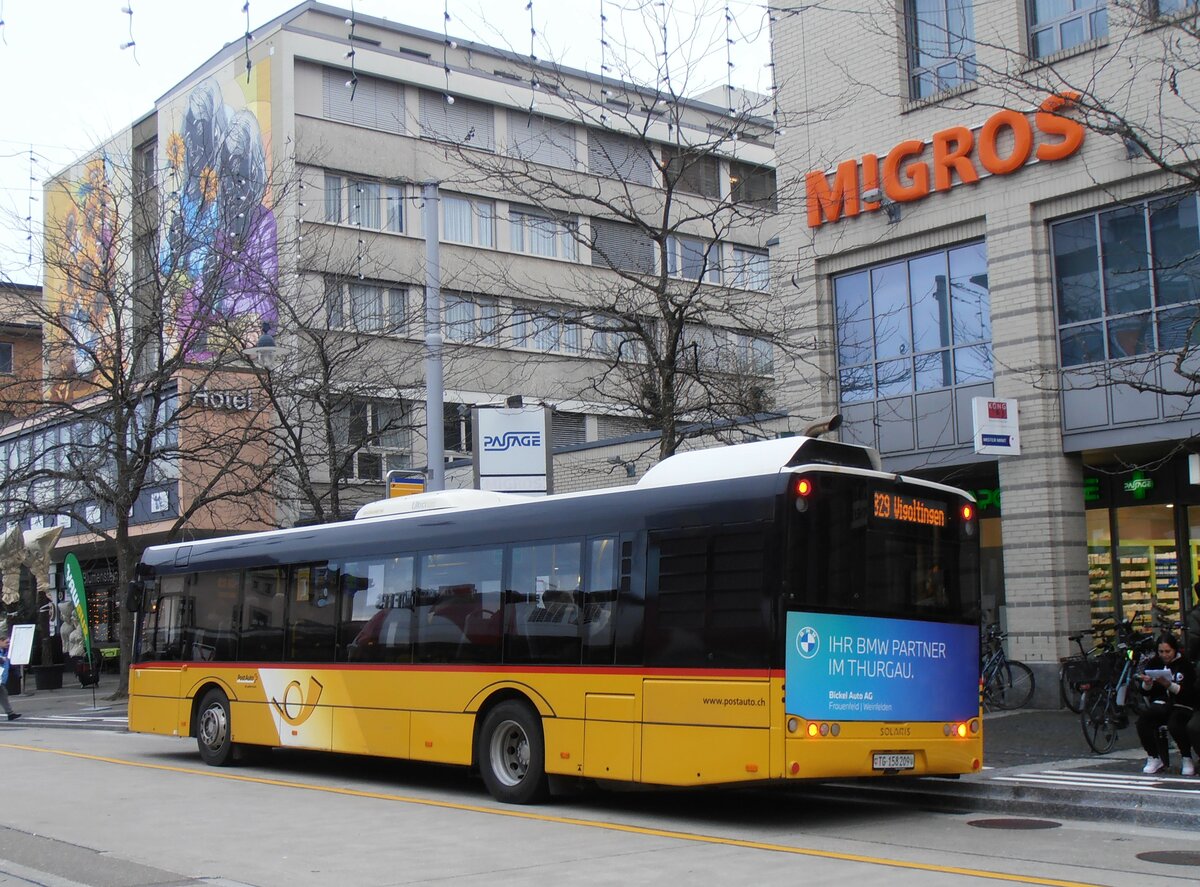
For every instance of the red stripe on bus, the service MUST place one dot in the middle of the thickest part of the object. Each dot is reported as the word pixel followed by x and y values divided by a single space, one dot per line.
pixel 504 669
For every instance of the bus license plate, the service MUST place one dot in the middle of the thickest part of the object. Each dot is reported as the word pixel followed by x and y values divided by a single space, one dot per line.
pixel 893 762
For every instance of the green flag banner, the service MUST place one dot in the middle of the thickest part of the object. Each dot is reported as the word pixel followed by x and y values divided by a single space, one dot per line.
pixel 75 588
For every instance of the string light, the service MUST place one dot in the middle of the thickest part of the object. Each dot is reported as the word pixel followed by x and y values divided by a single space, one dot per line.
pixel 533 79
pixel 3 33
pixel 130 43
pixel 29 212
pixel 447 44
pixel 729 62
pixel 249 37
pixel 352 83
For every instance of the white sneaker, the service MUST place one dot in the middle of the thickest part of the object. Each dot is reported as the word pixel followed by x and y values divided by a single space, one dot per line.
pixel 1188 767
pixel 1153 765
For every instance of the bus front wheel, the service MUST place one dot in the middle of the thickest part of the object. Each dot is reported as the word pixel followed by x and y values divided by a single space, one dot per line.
pixel 213 735
pixel 512 754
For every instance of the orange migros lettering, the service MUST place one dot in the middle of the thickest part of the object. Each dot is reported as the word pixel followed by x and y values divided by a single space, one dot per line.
pixel 826 204
pixel 957 153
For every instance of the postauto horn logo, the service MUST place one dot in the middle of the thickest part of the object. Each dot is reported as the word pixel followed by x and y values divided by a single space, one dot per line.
pixel 499 443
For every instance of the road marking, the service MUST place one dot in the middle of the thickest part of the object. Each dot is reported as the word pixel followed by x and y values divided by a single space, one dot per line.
pixel 567 820
pixel 1179 785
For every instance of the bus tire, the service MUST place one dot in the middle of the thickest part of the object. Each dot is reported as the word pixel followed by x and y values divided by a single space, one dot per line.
pixel 214 729
pixel 512 754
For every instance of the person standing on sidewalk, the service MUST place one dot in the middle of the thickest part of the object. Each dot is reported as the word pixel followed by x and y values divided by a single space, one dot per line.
pixel 4 703
pixel 1171 705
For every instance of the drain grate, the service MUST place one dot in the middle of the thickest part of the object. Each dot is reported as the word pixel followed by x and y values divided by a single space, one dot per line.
pixel 1027 824
pixel 1171 857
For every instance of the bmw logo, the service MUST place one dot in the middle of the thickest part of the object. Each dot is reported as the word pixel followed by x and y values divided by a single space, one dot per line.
pixel 808 642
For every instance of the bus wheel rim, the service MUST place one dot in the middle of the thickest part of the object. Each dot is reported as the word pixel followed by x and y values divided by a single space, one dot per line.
pixel 213 727
pixel 510 752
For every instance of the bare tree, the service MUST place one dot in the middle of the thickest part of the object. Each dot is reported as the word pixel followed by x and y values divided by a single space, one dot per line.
pixel 671 198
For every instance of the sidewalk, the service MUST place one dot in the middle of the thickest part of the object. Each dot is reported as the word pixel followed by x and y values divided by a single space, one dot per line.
pixel 70 700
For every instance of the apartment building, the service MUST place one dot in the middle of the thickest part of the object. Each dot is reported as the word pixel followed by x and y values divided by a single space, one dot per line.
pixel 297 182
pixel 986 223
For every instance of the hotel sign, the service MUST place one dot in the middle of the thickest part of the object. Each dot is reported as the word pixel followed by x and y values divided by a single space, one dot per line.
pixel 235 401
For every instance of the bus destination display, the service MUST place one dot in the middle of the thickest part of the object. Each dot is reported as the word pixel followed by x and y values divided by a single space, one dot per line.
pixel 910 509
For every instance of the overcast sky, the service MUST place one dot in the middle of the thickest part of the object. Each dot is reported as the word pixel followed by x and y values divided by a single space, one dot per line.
pixel 68 84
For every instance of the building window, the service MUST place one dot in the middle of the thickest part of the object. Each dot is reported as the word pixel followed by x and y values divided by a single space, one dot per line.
pixel 548 331
pixel 465 122
pixel 6 358
pixel 753 185
pixel 539 140
pixel 363 100
pixel 622 247
pixel 369 307
pixel 538 234
pixel 755 355
pixel 1055 25
pixel 619 157
pixel 1127 280
pixel 918 324
pixel 941 45
pixel 145 167
pixel 692 172
pixel 694 259
pixel 365 203
pixel 470 319
pixel 1166 8
pixel 750 269
pixel 468 220
pixel 379 434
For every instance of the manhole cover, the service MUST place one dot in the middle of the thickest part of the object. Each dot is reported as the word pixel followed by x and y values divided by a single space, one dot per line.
pixel 1015 823
pixel 1171 857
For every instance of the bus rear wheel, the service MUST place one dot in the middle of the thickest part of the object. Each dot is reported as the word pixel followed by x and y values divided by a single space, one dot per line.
pixel 512 754
pixel 213 729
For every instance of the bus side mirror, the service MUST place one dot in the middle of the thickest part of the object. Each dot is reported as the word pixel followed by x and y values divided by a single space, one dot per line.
pixel 133 598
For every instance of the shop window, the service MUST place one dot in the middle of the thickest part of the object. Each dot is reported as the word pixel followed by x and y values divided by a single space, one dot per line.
pixel 1148 566
pixel 918 324
pixel 1055 25
pixel 1127 281
pixel 941 45
pixel 1100 568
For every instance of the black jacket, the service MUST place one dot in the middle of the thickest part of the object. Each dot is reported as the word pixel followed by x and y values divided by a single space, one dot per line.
pixel 1182 674
pixel 1191 634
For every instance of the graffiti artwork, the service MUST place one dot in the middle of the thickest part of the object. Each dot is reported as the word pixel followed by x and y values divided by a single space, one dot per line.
pixel 219 250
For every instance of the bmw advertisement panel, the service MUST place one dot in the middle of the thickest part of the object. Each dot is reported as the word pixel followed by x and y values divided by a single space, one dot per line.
pixel 866 668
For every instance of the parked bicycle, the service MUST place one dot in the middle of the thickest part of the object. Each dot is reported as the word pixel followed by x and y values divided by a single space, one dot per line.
pixel 1110 695
pixel 1007 683
pixel 1078 669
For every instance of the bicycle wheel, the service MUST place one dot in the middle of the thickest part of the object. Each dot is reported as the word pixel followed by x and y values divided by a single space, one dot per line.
pixel 1012 685
pixel 1069 692
pixel 1098 717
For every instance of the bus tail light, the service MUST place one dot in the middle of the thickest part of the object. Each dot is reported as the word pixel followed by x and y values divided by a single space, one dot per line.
pixel 802 489
pixel 967 513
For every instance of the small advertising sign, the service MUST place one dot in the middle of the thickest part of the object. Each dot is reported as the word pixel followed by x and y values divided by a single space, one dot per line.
pixel 996 426
pixel 20 644
pixel 404 485
pixel 866 668
pixel 512 449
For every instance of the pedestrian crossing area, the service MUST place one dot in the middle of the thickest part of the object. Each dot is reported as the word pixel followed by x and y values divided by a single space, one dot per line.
pixel 1103 780
pixel 98 720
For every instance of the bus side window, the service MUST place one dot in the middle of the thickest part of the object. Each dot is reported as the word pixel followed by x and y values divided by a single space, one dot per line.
pixel 600 600
pixel 162 623
pixel 262 616
pixel 542 609
pixel 377 610
pixel 312 616
pixel 211 628
pixel 458 610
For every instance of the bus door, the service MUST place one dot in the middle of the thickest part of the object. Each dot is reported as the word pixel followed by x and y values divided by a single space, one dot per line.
pixel 155 677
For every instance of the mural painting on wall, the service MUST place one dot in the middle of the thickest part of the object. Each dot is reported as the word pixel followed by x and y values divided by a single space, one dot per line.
pixel 83 269
pixel 219 250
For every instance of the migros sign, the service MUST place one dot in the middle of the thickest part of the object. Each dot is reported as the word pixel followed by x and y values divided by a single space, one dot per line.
pixel 1004 144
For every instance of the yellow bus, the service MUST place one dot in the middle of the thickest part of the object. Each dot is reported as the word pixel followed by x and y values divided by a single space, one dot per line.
pixel 771 611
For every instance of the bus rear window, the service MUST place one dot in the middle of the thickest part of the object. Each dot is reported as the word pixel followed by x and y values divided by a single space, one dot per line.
pixel 860 548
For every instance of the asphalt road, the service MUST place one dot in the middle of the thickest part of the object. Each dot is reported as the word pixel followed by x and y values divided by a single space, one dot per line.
pixel 107 808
